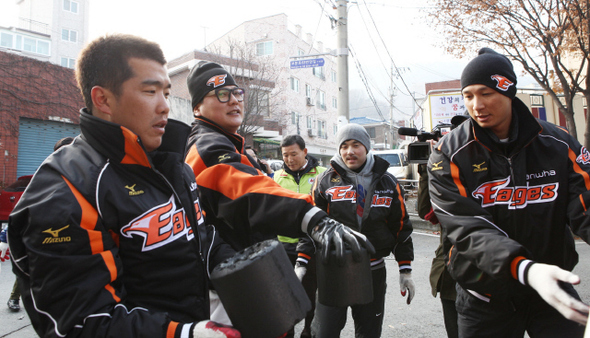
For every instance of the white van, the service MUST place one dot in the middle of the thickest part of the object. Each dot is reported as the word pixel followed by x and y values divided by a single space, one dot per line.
pixel 398 162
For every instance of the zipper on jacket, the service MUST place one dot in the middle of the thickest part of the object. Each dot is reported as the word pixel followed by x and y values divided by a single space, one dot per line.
pixel 195 231
pixel 509 159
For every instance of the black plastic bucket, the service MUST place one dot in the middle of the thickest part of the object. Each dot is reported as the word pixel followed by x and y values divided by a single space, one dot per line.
pixel 260 291
pixel 345 285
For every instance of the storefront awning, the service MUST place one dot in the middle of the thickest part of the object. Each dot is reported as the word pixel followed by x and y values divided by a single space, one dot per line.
pixel 266 140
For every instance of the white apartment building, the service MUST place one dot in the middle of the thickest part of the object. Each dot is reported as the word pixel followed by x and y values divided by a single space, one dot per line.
pixel 304 100
pixel 48 30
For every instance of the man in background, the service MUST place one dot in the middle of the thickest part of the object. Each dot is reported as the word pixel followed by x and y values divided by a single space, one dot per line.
pixel 298 174
pixel 358 191
pixel 264 166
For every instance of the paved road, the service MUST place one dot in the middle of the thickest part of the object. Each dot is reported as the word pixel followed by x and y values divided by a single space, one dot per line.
pixel 423 318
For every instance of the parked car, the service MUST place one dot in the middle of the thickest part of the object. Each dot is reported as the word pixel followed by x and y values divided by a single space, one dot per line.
pixel 398 163
pixel 10 195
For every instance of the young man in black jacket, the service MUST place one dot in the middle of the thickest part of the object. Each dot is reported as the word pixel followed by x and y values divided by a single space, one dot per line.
pixel 109 238
pixel 508 190
pixel 359 192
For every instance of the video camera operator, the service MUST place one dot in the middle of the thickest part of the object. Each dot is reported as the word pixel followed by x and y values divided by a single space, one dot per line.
pixel 440 279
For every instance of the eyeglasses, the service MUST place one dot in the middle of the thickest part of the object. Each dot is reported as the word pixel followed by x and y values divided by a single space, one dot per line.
pixel 224 94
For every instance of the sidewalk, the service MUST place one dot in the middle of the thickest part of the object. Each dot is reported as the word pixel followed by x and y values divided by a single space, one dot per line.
pixel 12 324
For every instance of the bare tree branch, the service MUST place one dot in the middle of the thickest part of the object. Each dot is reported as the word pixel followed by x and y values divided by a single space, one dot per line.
pixel 542 35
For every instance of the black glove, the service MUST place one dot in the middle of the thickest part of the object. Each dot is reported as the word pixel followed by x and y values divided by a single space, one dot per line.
pixel 328 232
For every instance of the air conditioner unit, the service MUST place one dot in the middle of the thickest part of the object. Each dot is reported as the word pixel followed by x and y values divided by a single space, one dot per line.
pixel 309 101
pixel 311 132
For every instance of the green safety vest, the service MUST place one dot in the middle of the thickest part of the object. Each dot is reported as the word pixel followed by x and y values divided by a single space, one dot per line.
pixel 287 181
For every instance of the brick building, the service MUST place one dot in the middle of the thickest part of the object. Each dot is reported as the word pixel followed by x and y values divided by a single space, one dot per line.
pixel 39 104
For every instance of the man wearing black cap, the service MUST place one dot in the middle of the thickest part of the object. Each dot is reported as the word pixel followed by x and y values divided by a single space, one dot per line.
pixel 509 190
pixel 246 205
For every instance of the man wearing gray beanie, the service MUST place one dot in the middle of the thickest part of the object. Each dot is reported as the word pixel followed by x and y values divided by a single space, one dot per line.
pixel 359 192
pixel 509 190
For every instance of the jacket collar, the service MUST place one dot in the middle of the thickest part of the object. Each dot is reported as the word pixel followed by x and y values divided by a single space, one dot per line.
pixel 236 139
pixel 121 145
pixel 311 164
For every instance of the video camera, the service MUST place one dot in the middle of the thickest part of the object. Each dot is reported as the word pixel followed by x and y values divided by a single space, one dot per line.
pixel 419 152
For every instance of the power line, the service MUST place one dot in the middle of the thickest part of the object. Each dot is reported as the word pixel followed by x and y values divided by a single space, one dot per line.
pixel 318 25
pixel 364 80
pixel 390 57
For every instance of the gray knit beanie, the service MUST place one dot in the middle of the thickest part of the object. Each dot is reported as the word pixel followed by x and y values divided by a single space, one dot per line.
pixel 353 131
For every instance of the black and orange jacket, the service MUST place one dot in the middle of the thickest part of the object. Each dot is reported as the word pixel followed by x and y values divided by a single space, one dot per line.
pixel 245 205
pixel 385 220
pixel 503 206
pixel 108 240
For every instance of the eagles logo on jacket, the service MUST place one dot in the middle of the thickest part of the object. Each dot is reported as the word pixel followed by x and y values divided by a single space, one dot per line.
pixel 385 220
pixel 501 204
pixel 108 239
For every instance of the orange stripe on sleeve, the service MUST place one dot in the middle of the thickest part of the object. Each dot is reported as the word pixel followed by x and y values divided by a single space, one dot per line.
pixel 313 187
pixel 217 178
pixel 457 180
pixel 109 260
pixel 578 169
pixel 195 161
pixel 171 329
pixel 450 254
pixel 514 266
pixel 110 289
pixel 88 221
pixel 583 203
pixel 402 208
pixel 301 254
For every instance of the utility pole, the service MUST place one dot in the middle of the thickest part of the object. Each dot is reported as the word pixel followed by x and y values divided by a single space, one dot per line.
pixel 342 62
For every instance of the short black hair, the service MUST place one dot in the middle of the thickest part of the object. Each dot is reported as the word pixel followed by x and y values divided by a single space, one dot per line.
pixel 293 139
pixel 105 62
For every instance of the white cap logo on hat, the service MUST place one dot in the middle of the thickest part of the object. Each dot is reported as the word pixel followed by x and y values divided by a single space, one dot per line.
pixel 503 83
pixel 217 80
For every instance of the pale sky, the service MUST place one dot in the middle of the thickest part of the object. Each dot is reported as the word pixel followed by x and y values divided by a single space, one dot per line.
pixel 180 26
